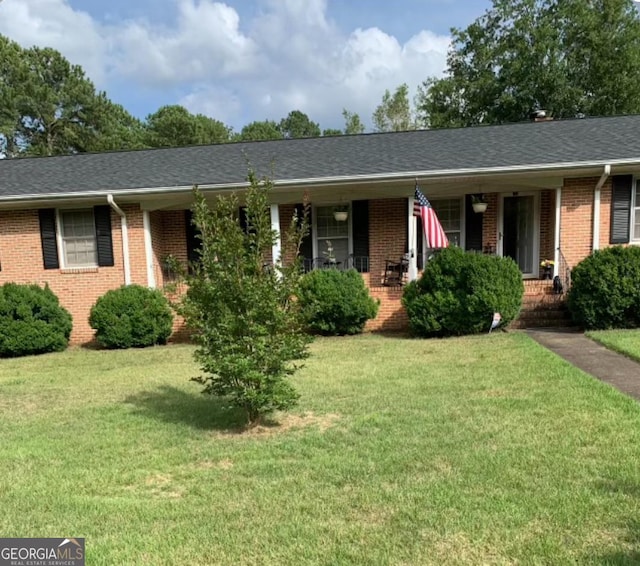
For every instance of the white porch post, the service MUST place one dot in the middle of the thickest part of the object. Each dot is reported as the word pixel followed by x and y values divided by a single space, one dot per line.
pixel 148 249
pixel 276 250
pixel 413 243
pixel 556 233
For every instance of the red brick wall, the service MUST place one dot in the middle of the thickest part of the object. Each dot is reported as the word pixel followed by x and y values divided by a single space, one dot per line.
pixel 77 289
pixel 576 220
pixel 388 234
pixel 547 224
pixel 490 223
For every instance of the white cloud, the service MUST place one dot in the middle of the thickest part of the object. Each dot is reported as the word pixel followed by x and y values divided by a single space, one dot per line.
pixel 291 55
pixel 53 23
pixel 206 43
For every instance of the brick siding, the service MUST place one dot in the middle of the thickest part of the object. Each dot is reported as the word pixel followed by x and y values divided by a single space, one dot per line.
pixel 78 289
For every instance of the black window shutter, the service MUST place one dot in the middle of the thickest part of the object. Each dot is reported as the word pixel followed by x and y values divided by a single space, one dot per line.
pixel 306 249
pixel 104 242
pixel 360 228
pixel 194 244
pixel 472 226
pixel 242 216
pixel 48 238
pixel 621 208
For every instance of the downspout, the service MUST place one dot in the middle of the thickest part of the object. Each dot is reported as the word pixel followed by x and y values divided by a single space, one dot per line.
pixel 596 206
pixel 125 239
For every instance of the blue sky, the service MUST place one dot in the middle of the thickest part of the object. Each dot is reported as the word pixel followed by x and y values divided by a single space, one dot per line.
pixel 245 60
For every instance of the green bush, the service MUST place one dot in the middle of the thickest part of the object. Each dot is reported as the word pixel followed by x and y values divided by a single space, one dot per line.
pixel 335 302
pixel 31 321
pixel 605 289
pixel 459 291
pixel 131 317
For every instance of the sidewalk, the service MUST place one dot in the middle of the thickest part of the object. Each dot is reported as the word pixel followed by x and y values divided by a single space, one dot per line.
pixel 591 357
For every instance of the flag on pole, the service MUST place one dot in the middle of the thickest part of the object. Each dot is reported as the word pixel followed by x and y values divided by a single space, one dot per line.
pixel 431 227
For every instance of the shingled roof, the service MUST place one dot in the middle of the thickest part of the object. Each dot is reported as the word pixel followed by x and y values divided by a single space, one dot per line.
pixel 589 141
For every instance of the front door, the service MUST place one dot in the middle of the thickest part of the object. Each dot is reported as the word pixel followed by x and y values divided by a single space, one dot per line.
pixel 518 237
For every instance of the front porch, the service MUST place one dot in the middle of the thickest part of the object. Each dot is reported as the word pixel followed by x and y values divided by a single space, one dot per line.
pixel 380 231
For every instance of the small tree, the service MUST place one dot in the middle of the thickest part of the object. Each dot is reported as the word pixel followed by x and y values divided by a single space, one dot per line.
pixel 247 324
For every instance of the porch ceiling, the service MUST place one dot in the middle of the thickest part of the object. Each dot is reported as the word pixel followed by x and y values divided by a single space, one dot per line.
pixel 379 189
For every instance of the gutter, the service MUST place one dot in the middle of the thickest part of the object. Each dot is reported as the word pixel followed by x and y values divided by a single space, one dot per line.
pixel 596 206
pixel 405 176
pixel 125 239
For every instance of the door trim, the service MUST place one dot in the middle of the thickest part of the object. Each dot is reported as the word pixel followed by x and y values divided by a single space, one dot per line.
pixel 536 229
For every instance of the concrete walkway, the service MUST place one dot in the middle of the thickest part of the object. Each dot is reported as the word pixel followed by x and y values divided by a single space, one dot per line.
pixel 591 357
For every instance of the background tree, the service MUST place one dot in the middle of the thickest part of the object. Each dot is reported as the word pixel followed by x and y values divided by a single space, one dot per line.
pixel 569 57
pixel 298 125
pixel 174 126
pixel 394 114
pixel 352 123
pixel 49 107
pixel 248 327
pixel 332 132
pixel 265 130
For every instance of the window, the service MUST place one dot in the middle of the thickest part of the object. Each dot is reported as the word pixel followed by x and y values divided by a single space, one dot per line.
pixel 78 238
pixel 449 213
pixel 328 229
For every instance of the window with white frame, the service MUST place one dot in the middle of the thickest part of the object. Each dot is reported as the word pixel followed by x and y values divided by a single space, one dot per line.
pixel 78 238
pixel 330 232
pixel 449 213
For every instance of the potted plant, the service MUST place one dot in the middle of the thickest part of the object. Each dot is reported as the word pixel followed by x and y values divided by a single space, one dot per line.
pixel 479 203
pixel 547 268
pixel 341 212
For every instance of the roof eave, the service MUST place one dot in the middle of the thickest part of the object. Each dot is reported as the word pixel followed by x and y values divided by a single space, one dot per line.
pixel 419 175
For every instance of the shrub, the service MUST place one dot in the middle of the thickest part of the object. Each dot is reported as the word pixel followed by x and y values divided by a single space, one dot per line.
pixel 247 327
pixel 32 321
pixel 605 289
pixel 335 302
pixel 131 317
pixel 459 292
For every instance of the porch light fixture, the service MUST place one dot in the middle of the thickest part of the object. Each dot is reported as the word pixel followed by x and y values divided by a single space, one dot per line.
pixel 478 203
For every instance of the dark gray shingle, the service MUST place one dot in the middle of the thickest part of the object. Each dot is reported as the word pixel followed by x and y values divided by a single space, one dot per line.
pixel 586 140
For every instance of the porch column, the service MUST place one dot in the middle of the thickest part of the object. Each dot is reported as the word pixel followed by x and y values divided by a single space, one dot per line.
pixel 148 249
pixel 413 242
pixel 556 233
pixel 276 249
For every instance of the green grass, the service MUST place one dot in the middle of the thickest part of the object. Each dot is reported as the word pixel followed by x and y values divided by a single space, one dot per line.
pixel 482 450
pixel 626 342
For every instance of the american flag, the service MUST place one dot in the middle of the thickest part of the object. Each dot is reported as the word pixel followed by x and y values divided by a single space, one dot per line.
pixel 431 227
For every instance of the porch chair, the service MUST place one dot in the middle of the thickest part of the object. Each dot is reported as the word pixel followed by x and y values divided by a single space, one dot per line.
pixel 394 272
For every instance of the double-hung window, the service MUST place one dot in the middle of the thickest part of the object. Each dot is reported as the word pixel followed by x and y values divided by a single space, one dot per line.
pixel 78 238
pixel 449 213
pixel 331 234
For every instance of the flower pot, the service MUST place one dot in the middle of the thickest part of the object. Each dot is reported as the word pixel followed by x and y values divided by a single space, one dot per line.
pixel 341 215
pixel 479 207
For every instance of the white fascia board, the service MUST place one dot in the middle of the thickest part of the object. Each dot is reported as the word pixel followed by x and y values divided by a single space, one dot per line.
pixel 344 179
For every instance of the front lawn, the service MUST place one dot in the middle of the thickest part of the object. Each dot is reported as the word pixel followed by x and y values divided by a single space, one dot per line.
pixel 626 342
pixel 482 450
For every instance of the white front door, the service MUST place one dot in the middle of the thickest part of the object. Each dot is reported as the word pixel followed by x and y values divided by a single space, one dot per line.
pixel 519 232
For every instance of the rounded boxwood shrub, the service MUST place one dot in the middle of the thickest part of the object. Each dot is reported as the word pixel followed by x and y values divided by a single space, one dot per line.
pixel 605 289
pixel 131 317
pixel 335 302
pixel 32 321
pixel 459 291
